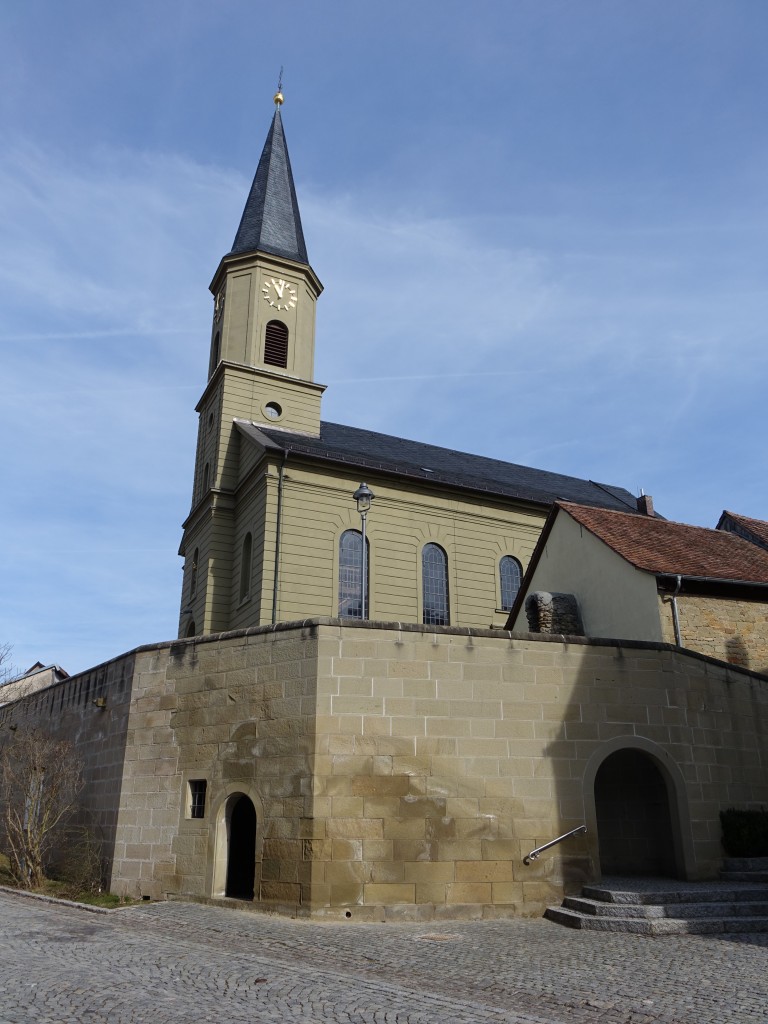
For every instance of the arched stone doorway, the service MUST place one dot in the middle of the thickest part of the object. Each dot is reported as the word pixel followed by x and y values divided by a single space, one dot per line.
pixel 634 816
pixel 241 847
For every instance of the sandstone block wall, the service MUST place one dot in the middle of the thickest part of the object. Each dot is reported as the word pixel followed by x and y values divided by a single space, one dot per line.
pixel 238 714
pixel 731 630
pixel 72 709
pixel 397 771
pixel 444 757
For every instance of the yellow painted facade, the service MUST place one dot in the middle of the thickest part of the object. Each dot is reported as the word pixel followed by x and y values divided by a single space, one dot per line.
pixel 294 514
pixel 285 511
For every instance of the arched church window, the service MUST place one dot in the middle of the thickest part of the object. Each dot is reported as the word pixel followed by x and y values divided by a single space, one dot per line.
pixel 191 630
pixel 245 567
pixel 276 343
pixel 215 353
pixel 193 579
pixel 351 575
pixel 206 477
pixel 434 583
pixel 510 577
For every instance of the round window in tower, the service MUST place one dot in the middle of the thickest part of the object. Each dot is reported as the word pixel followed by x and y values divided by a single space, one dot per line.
pixel 273 410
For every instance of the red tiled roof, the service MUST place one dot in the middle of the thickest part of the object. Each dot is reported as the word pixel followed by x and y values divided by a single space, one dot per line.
pixel 671 549
pixel 758 527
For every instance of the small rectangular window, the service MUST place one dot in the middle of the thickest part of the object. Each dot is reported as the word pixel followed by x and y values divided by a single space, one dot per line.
pixel 197 788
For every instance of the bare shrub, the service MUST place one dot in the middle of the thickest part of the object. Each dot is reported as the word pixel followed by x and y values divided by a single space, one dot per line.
pixel 40 779
pixel 7 671
pixel 79 864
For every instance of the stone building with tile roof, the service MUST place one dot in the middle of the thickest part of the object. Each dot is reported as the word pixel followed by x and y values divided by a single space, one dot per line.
pixel 640 577
pixel 753 530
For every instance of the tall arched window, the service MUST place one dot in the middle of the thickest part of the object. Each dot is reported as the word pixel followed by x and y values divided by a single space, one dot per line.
pixel 193 580
pixel 215 353
pixel 276 343
pixel 434 584
pixel 510 576
pixel 350 575
pixel 206 477
pixel 246 558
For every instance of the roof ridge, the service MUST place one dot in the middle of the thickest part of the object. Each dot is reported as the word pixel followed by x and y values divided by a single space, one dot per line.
pixel 663 547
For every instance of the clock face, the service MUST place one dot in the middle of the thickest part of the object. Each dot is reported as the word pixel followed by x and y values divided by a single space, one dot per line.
pixel 279 294
pixel 218 306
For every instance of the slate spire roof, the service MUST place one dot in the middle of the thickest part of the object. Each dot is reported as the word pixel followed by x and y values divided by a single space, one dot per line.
pixel 271 222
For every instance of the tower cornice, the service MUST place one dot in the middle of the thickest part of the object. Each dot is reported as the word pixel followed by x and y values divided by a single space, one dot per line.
pixel 269 376
pixel 236 261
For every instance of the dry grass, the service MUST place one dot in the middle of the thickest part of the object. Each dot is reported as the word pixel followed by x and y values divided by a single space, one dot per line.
pixel 62 890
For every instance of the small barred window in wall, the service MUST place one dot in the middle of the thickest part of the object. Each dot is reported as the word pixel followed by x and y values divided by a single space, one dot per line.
pixel 511 576
pixel 434 581
pixel 351 575
pixel 276 343
pixel 197 788
pixel 245 567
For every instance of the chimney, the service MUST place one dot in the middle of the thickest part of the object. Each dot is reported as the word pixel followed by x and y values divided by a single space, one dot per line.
pixel 645 505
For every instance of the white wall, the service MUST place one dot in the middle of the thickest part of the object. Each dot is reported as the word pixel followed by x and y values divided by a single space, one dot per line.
pixel 616 600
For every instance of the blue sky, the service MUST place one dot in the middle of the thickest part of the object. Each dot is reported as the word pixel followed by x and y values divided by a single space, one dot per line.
pixel 593 172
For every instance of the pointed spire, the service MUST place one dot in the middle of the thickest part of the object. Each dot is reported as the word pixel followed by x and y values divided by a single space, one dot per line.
pixel 271 221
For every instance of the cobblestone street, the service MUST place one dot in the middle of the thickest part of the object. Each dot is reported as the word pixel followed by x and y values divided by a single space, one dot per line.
pixel 187 963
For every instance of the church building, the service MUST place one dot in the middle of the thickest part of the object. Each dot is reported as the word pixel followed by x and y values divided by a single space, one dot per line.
pixel 360 738
pixel 273 534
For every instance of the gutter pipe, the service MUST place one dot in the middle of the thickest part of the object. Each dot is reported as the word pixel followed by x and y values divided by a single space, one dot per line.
pixel 675 617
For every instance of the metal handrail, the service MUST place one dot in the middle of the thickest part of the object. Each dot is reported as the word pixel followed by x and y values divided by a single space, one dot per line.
pixel 533 855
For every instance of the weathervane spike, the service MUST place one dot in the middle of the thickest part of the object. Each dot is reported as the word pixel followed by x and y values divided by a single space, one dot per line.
pixel 279 94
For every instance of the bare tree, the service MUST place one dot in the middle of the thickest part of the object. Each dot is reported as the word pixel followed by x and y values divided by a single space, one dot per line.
pixel 40 779
pixel 7 672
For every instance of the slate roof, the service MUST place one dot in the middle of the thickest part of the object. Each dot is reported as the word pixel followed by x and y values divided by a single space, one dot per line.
pixel 367 450
pixel 674 549
pixel 753 530
pixel 271 222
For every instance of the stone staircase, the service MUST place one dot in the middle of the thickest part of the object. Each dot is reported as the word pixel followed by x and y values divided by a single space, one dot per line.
pixel 660 906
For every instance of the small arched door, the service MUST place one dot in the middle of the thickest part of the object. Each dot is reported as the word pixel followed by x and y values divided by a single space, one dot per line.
pixel 634 819
pixel 241 847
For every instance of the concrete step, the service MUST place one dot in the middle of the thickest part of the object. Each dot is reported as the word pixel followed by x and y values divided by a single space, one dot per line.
pixel 745 864
pixel 657 926
pixel 664 906
pixel 745 869
pixel 668 892
pixel 688 910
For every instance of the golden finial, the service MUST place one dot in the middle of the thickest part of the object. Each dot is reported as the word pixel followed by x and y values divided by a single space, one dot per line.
pixel 278 97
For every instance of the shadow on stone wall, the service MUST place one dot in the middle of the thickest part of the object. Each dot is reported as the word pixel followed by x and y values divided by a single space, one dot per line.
pixel 91 711
pixel 654 742
pixel 736 652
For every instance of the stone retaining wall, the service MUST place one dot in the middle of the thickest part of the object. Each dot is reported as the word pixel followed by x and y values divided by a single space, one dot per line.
pixel 401 771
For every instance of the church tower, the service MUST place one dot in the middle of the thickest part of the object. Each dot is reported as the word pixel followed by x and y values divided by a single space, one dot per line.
pixel 260 371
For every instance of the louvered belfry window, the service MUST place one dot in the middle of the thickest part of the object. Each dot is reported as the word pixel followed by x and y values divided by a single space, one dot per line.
pixel 276 343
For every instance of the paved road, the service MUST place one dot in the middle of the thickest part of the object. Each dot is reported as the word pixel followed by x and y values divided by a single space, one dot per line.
pixel 176 962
